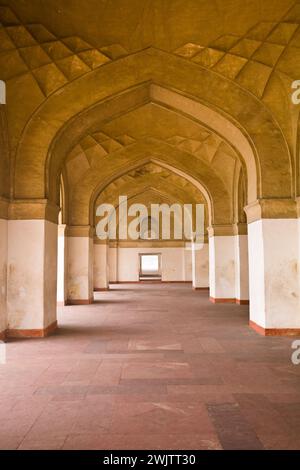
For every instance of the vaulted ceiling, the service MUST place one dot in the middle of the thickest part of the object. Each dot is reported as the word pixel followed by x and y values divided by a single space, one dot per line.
pixel 200 91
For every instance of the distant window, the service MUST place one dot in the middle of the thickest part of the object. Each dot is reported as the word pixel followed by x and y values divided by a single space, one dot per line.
pixel 149 264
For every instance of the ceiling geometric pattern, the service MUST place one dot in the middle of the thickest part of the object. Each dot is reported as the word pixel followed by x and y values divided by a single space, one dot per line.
pixel 250 60
pixel 91 150
pixel 53 62
pixel 152 127
pixel 258 59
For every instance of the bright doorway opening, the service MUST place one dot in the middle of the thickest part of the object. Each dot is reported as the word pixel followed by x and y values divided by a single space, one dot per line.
pixel 150 266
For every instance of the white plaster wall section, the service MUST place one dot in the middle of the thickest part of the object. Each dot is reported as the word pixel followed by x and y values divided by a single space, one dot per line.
pixel 187 265
pixel 241 267
pixel 31 274
pixel 80 268
pixel 172 268
pixel 61 265
pixel 256 273
pixel 200 266
pixel 222 267
pixel 212 267
pixel 172 263
pixel 183 259
pixel 112 264
pixel 3 274
pixel 91 268
pixel 50 270
pixel 128 264
pixel 100 266
pixel 281 263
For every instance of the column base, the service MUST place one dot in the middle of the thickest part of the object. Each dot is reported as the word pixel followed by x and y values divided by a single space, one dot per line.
pixel 228 301
pixel 242 302
pixel 222 301
pixel 80 301
pixel 274 331
pixel 34 333
pixel 2 336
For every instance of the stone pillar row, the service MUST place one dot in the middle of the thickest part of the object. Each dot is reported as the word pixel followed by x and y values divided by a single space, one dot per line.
pixel 62 261
pixel 3 265
pixel 80 265
pixel 274 274
pixel 228 264
pixel 101 265
pixel 31 280
pixel 34 253
pixel 200 266
pixel 31 240
pixel 271 265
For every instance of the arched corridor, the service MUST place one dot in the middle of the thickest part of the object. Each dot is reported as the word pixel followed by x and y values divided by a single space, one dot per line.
pixel 151 366
pixel 150 222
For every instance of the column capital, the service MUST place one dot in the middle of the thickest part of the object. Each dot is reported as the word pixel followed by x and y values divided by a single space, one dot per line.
pixel 80 231
pixel 227 230
pixel 30 209
pixel 285 208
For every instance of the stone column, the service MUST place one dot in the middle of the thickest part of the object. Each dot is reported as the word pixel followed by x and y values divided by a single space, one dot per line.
pixel 32 269
pixel 222 264
pixel 113 262
pixel 273 236
pixel 101 269
pixel 200 265
pixel 3 266
pixel 187 265
pixel 241 265
pixel 62 261
pixel 80 265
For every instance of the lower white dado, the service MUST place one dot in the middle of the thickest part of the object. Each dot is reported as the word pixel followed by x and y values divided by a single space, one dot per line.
pixel 101 267
pixel 222 268
pixel 200 266
pixel 80 270
pixel 228 269
pixel 274 274
pixel 62 261
pixel 32 277
pixel 3 274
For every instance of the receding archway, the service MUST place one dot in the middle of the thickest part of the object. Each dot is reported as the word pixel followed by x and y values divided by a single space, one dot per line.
pixel 262 130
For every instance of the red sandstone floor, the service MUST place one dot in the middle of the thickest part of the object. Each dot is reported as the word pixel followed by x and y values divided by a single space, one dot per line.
pixel 150 367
